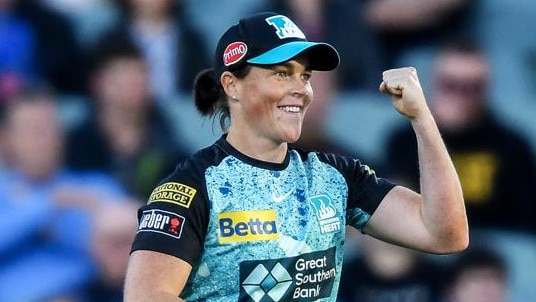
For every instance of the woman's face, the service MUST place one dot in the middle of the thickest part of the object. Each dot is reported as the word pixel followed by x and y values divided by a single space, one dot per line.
pixel 272 101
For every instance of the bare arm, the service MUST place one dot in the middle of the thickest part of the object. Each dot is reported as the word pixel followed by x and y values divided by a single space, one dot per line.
pixel 434 221
pixel 154 276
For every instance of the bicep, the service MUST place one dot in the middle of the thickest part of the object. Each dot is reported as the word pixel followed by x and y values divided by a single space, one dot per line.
pixel 154 276
pixel 398 220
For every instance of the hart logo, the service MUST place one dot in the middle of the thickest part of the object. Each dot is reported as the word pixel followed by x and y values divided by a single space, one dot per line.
pixel 328 219
pixel 285 28
pixel 234 53
pixel 163 222
pixel 247 226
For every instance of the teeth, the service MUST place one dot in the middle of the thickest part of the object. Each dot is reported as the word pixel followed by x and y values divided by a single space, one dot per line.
pixel 291 109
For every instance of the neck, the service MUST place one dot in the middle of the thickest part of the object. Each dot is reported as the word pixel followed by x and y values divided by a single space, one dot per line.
pixel 259 148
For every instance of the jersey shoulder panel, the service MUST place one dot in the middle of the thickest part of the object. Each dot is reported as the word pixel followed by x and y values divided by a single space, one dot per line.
pixel 175 219
pixel 365 189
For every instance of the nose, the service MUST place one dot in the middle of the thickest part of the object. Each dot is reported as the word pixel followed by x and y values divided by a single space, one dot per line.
pixel 300 87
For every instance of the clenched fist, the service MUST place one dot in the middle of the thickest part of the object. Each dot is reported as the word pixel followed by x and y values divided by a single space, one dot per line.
pixel 402 84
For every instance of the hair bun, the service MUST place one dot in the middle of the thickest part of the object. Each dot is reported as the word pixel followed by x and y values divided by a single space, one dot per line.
pixel 206 92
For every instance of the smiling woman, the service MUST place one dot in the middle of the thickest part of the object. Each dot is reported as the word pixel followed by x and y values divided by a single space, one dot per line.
pixel 260 220
pixel 270 105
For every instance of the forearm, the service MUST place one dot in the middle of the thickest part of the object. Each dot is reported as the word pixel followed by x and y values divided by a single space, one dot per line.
pixel 153 296
pixel 442 207
pixel 154 276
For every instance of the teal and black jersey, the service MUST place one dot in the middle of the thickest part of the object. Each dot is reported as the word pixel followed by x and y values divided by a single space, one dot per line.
pixel 258 231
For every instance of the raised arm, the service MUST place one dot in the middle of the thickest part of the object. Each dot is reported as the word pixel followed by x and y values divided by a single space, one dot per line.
pixel 435 220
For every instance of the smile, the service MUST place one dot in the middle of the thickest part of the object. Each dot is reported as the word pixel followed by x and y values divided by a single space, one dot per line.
pixel 290 109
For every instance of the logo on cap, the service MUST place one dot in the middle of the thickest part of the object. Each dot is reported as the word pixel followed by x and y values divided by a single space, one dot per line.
pixel 285 28
pixel 234 53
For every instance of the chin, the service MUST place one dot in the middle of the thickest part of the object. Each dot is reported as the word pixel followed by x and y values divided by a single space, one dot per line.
pixel 292 138
pixel 290 133
pixel 291 141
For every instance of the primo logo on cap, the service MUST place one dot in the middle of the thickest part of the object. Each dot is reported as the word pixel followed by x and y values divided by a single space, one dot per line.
pixel 234 52
pixel 285 28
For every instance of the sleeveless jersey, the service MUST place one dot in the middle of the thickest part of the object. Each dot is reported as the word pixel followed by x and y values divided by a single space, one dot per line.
pixel 259 231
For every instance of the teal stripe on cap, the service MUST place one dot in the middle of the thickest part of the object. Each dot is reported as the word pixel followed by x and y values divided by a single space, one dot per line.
pixel 290 50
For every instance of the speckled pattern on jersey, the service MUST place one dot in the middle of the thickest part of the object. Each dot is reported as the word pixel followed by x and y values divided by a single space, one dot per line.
pixel 274 233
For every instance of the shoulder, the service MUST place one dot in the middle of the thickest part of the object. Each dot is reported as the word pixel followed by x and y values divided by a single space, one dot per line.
pixel 195 165
pixel 335 160
pixel 349 167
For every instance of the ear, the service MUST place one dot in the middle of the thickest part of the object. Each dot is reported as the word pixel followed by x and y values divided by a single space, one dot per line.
pixel 228 81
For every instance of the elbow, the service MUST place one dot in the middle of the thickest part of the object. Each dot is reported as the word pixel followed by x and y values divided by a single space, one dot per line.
pixel 455 242
pixel 458 245
pixel 459 235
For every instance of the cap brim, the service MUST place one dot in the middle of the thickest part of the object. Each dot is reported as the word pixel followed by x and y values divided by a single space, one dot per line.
pixel 322 56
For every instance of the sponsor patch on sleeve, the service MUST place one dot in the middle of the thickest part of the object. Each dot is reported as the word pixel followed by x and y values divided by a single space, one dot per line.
pixel 173 192
pixel 163 222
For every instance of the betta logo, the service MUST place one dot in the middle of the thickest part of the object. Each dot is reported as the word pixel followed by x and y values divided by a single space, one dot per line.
pixel 234 53
pixel 247 226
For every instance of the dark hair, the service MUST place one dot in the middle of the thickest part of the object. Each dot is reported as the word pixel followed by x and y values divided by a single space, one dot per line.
pixel 210 98
pixel 112 47
pixel 28 95
pixel 475 259
pixel 462 45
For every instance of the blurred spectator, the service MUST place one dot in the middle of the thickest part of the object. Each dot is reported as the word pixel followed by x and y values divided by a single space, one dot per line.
pixel 340 23
pixel 126 134
pixel 17 49
pixel 46 209
pixel 385 272
pixel 3 137
pixel 495 164
pixel 225 14
pixel 90 18
pixel 172 46
pixel 406 25
pixel 55 54
pixel 477 275
pixel 114 228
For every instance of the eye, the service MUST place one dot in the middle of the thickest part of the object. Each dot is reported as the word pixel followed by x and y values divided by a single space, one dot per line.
pixel 282 74
pixel 306 76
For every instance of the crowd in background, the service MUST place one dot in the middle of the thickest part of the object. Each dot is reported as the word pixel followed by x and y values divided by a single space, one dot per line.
pixel 71 180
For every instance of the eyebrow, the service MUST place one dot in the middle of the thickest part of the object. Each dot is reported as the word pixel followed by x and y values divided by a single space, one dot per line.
pixel 287 64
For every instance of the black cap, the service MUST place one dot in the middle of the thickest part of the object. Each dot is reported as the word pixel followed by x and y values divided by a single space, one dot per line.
pixel 267 39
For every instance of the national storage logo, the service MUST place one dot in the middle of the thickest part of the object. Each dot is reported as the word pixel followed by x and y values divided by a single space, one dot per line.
pixel 247 226
pixel 173 192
